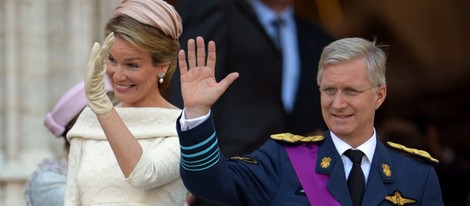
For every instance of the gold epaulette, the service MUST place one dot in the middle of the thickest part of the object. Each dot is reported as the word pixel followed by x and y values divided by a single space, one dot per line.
pixel 292 138
pixel 413 152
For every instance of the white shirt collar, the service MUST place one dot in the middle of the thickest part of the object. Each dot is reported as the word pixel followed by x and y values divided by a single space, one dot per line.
pixel 367 147
pixel 266 15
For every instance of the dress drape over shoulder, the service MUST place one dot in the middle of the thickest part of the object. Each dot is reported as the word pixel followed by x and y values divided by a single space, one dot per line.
pixel 94 174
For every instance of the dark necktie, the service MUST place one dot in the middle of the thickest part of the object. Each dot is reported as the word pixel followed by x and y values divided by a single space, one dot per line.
pixel 277 23
pixel 356 179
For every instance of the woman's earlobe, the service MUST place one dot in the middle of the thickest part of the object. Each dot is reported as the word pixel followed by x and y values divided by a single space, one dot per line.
pixel 161 77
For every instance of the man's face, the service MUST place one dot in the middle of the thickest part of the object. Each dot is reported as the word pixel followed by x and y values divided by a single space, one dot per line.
pixel 349 101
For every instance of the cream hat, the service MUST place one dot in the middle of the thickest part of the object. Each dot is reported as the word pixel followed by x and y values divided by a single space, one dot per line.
pixel 156 13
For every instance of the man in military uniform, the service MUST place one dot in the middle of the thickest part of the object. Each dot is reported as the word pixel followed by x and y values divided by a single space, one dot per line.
pixel 348 165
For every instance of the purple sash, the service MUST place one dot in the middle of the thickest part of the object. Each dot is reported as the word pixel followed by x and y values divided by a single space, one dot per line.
pixel 304 158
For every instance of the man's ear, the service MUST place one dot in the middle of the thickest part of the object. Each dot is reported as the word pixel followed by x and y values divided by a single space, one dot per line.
pixel 380 95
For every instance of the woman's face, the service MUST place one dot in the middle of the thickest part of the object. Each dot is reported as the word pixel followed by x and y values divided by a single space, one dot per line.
pixel 133 75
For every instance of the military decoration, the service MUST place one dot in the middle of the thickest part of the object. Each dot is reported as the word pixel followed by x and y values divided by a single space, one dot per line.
pixel 398 199
pixel 386 170
pixel 325 162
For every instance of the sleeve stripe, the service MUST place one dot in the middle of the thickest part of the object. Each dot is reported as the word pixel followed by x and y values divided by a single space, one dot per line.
pixel 203 152
pixel 186 161
pixel 199 144
pixel 200 156
pixel 199 167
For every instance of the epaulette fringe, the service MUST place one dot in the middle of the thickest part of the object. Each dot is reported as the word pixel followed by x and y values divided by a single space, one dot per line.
pixel 421 154
pixel 295 139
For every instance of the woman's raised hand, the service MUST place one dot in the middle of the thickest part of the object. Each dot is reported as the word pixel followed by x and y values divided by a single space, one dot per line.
pixel 95 89
pixel 199 88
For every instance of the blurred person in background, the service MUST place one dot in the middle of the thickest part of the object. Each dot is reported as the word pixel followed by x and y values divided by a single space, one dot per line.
pixel 46 186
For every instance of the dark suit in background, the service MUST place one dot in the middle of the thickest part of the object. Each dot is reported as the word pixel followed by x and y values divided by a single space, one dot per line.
pixel 244 46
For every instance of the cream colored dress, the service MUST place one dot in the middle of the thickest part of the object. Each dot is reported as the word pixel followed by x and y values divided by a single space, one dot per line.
pixel 94 176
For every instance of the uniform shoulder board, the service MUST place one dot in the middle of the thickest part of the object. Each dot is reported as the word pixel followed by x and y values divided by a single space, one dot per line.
pixel 421 154
pixel 296 139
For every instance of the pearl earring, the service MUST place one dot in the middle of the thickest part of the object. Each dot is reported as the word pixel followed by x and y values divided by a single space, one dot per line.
pixel 160 78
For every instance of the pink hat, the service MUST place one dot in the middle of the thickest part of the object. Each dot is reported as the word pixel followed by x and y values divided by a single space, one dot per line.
pixel 68 107
pixel 156 13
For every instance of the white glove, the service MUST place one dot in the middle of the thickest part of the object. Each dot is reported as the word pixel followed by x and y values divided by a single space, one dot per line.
pixel 95 89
